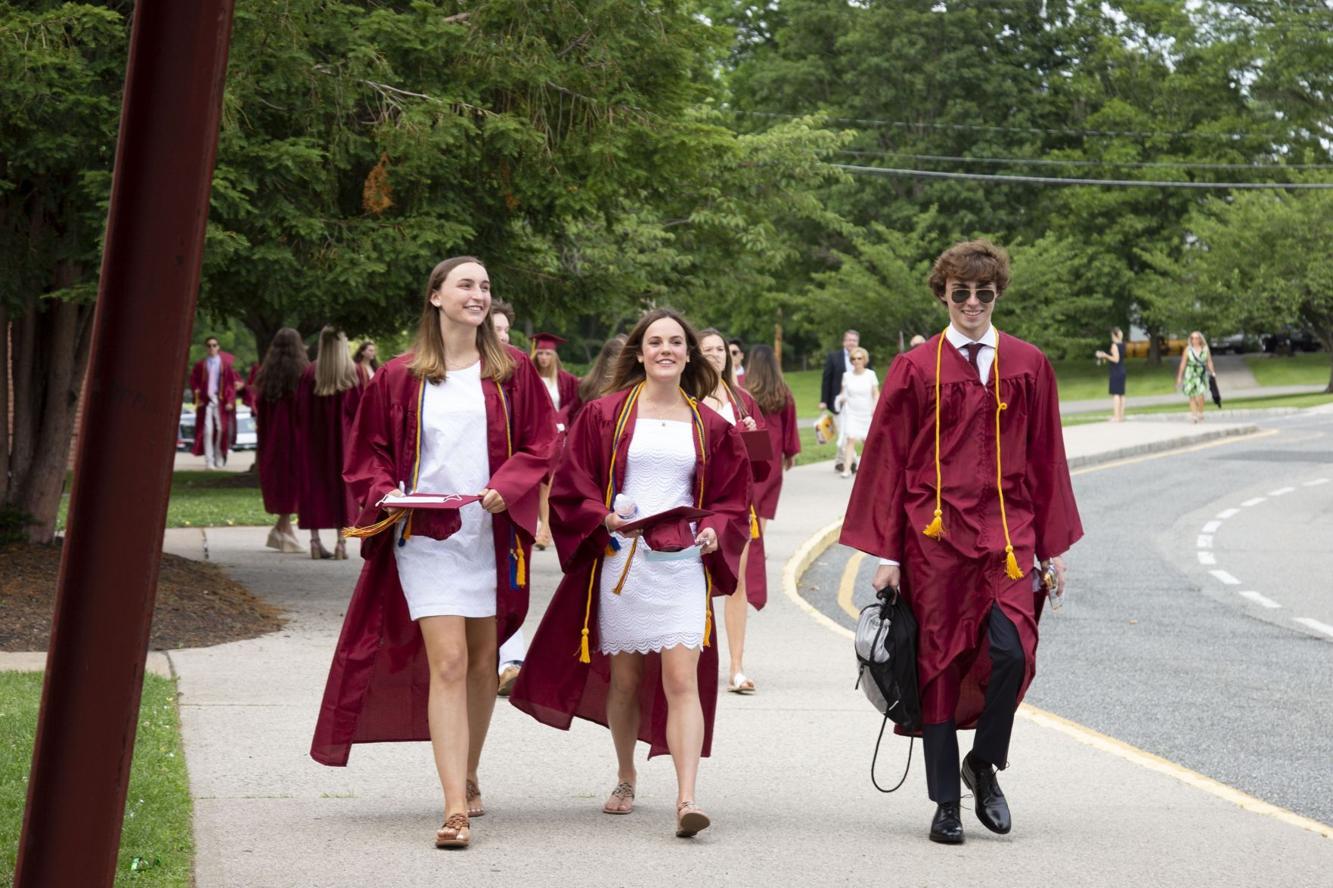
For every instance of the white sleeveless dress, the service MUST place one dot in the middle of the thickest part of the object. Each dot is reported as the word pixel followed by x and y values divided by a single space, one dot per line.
pixel 662 602
pixel 453 577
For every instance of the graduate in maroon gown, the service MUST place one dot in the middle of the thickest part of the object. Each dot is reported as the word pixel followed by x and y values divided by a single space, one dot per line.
pixel 777 411
pixel 737 406
pixel 416 659
pixel 971 406
pixel 627 640
pixel 326 402
pixel 213 381
pixel 594 384
pixel 563 387
pixel 274 391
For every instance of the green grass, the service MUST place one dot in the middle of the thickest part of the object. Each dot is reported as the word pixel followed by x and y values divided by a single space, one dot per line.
pixel 156 845
pixel 812 451
pixel 1307 368
pixel 209 499
pixel 805 389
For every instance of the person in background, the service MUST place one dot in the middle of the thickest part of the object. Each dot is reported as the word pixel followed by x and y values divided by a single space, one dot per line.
pixel 327 399
pixel 594 384
pixel 366 360
pixel 214 382
pixel 917 339
pixel 737 350
pixel 860 392
pixel 1196 364
pixel 1116 358
pixel 274 391
pixel 502 317
pixel 836 365
pixel 514 648
pixel 563 387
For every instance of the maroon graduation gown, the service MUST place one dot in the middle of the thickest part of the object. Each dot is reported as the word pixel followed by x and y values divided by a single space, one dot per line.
pixel 756 574
pixel 786 437
pixel 323 424
pixel 953 582
pixel 568 385
pixel 379 681
pixel 227 382
pixel 554 685
pixel 279 462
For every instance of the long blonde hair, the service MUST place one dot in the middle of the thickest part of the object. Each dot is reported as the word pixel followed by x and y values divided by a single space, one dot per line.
pixel 428 359
pixel 334 370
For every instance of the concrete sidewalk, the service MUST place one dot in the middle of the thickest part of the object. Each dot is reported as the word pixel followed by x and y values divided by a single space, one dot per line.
pixel 787 785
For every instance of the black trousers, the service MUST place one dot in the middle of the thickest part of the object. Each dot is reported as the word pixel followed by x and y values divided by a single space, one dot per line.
pixel 996 724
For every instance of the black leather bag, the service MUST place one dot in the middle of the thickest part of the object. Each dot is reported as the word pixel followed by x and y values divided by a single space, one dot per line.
pixel 885 644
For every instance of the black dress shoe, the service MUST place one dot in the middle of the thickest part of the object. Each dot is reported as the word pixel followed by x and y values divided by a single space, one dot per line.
pixel 947 827
pixel 838 465
pixel 992 809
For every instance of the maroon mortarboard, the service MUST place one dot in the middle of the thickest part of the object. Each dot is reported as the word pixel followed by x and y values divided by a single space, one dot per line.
pixel 435 515
pixel 547 340
pixel 668 531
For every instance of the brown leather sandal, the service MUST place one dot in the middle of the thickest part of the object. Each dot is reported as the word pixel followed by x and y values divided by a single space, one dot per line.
pixel 622 799
pixel 455 833
pixel 690 820
pixel 475 808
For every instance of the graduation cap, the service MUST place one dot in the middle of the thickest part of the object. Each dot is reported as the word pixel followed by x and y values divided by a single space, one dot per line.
pixel 668 531
pixel 547 340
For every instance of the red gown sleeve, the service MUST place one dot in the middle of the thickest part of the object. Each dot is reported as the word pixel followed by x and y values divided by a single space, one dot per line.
pixel 876 514
pixel 728 492
pixel 791 444
pixel 1056 520
pixel 578 497
pixel 368 461
pixel 532 426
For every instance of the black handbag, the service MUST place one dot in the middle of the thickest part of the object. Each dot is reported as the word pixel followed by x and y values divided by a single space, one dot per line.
pixel 885 644
pixel 1214 390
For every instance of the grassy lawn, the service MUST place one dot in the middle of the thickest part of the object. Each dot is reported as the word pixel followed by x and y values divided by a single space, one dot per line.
pixel 156 845
pixel 209 499
pixel 1307 368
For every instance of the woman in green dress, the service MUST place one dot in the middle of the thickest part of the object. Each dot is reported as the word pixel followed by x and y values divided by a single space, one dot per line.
pixel 1196 365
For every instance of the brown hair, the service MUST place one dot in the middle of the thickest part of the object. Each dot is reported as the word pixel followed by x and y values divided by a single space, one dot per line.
pixel 284 362
pixel 763 380
pixel 428 360
pixel 594 384
pixel 699 379
pixel 975 260
pixel 361 354
pixel 334 370
pixel 728 373
pixel 501 307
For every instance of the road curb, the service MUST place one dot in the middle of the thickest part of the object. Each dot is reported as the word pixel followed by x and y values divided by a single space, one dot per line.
pixel 1080 462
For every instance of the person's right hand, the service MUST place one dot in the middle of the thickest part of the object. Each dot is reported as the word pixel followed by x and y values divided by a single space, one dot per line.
pixel 823 406
pixel 886 575
pixel 612 522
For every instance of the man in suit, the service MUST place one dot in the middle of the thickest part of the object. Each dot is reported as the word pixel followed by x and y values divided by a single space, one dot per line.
pixel 836 364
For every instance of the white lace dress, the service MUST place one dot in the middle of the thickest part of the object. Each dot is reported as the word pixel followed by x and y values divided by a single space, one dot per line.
pixel 663 600
pixel 453 577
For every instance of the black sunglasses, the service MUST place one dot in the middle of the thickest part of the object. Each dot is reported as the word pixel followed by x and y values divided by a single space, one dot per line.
pixel 960 295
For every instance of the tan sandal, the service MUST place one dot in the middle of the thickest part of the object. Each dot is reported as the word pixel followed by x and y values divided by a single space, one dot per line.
pixel 455 833
pixel 690 820
pixel 622 799
pixel 740 684
pixel 474 795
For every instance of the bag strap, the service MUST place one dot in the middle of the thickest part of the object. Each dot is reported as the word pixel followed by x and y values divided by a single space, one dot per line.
pixel 875 758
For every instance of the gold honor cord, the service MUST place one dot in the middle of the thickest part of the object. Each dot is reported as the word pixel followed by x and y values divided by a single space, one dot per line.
pixel 935 530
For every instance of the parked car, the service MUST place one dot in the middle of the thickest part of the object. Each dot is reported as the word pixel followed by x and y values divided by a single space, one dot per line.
pixel 244 434
pixel 1236 343
pixel 1289 340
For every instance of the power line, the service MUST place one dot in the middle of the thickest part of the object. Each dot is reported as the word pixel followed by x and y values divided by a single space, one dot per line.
pixel 1037 161
pixel 1055 180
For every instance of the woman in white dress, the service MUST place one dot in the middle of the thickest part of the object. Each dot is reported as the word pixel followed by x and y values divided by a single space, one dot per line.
pixel 860 391
pixel 460 414
pixel 639 606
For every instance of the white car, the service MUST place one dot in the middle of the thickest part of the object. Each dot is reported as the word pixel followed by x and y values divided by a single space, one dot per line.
pixel 244 434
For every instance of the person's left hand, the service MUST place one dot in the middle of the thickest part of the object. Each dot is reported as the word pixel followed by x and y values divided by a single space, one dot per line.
pixel 1059 574
pixel 749 423
pixel 492 502
pixel 706 540
pixel 788 463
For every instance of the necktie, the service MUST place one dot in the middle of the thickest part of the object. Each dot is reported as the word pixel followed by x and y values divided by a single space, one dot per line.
pixel 973 349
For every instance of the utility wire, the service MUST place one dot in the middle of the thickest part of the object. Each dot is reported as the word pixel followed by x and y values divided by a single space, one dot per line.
pixel 1055 180
pixel 1038 161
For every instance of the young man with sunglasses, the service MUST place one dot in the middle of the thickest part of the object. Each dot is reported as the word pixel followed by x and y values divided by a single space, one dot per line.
pixel 963 492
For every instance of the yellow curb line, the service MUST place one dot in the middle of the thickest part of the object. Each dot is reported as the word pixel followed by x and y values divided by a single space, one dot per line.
pixel 847 587
pixel 825 538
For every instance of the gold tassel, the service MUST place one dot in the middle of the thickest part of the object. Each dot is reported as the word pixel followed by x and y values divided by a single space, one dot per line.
pixel 1011 568
pixel 754 525
pixel 372 529
pixel 407 526
pixel 584 656
pixel 521 571
pixel 708 621
pixel 935 529
pixel 624 573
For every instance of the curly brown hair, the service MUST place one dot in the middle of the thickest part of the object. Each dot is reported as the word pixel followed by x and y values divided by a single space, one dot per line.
pixel 974 260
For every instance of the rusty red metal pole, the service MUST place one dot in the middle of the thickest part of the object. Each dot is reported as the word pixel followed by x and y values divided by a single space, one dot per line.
pixel 122 472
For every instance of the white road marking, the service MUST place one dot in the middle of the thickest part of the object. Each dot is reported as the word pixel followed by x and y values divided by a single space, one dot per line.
pixel 1316 482
pixel 1223 577
pixel 1254 502
pixel 1205 541
pixel 1281 491
pixel 1315 625
pixel 1227 513
pixel 1262 600
pixel 1207 558
pixel 1210 527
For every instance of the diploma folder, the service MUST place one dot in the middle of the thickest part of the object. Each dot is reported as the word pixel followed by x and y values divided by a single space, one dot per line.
pixel 668 531
pixel 758 445
pixel 430 501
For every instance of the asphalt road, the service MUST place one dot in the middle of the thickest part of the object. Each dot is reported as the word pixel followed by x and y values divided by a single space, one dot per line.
pixel 1199 622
